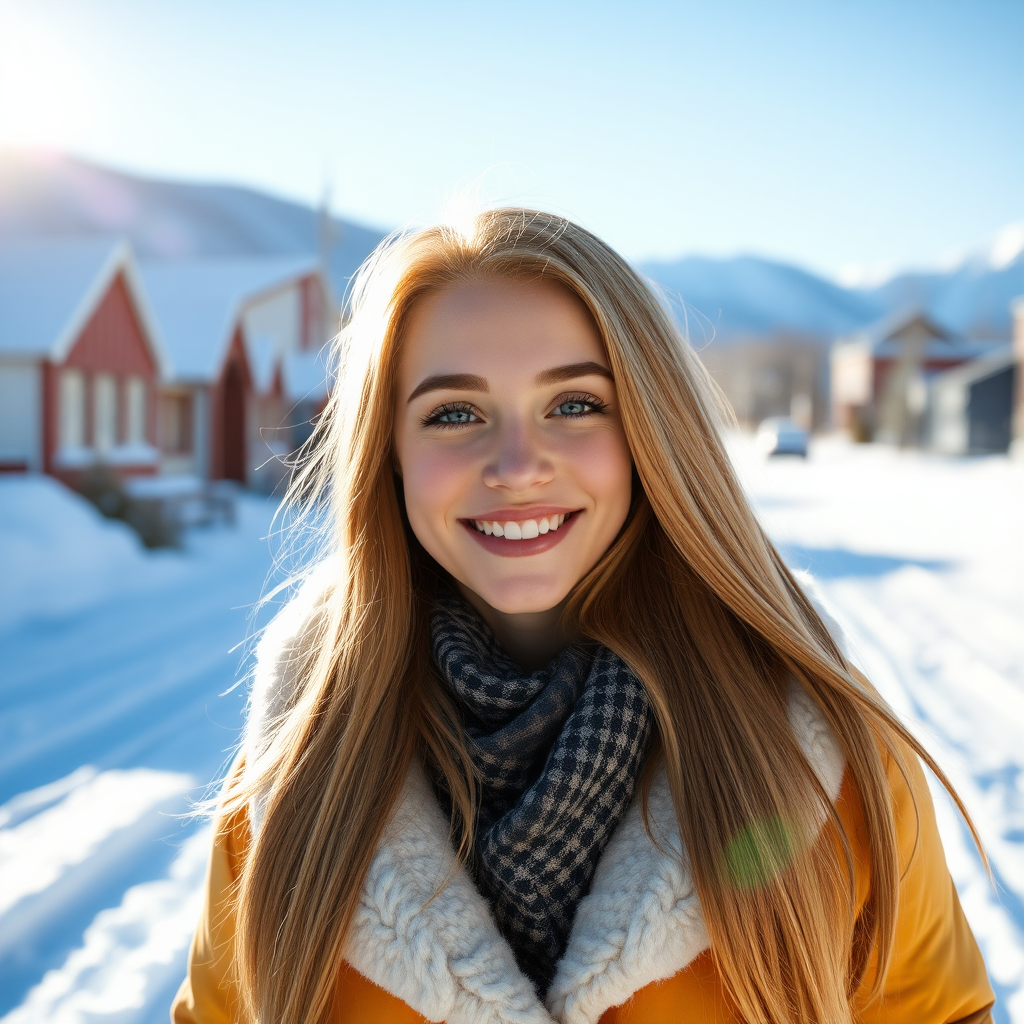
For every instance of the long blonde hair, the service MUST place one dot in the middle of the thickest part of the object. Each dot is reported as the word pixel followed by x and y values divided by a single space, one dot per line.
pixel 692 595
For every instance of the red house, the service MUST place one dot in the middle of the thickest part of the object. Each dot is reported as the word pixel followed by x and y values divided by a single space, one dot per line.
pixel 242 336
pixel 80 359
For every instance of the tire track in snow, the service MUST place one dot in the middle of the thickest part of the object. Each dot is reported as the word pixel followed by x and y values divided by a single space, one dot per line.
pixel 125 701
pixel 81 651
pixel 71 708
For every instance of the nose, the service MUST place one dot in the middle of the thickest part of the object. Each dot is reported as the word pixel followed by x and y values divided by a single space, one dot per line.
pixel 518 460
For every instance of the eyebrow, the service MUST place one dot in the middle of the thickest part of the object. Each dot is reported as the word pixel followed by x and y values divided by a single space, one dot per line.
pixel 471 382
pixel 573 370
pixel 449 382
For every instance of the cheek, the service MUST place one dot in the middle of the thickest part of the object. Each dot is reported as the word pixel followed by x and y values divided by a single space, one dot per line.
pixel 434 479
pixel 603 465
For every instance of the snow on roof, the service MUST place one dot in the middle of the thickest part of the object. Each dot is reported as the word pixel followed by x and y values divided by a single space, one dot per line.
pixel 895 323
pixel 197 304
pixel 884 337
pixel 306 375
pixel 48 287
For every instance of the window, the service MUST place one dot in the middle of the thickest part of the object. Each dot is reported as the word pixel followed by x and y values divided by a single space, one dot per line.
pixel 72 409
pixel 104 411
pixel 135 432
pixel 176 424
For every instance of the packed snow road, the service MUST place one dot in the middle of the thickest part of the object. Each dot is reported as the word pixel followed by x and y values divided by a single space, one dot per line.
pixel 113 716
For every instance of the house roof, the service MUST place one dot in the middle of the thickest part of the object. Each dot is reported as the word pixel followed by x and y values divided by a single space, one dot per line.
pixel 882 338
pixel 49 287
pixel 894 324
pixel 198 303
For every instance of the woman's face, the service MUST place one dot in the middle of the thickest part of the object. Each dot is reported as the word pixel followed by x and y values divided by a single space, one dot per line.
pixel 509 441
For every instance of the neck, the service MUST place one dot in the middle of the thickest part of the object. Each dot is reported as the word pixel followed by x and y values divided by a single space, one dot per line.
pixel 530 639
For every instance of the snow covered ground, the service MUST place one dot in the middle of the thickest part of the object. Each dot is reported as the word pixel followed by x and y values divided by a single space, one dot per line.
pixel 921 559
pixel 113 720
pixel 113 713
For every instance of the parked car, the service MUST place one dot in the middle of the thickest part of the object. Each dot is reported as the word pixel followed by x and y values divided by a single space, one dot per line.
pixel 781 436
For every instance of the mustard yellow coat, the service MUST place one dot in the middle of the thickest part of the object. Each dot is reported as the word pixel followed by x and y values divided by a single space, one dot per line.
pixel 937 974
pixel 423 944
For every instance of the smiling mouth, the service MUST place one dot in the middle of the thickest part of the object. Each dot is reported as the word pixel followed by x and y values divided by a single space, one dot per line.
pixel 525 529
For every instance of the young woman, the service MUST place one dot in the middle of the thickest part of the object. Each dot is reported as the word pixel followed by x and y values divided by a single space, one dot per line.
pixel 551 733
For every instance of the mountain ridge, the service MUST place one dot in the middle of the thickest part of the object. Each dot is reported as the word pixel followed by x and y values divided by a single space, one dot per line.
pixel 168 219
pixel 728 299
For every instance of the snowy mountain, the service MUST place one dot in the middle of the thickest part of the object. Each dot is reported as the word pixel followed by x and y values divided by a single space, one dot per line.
pixel 747 297
pixel 63 195
pixel 744 298
pixel 971 296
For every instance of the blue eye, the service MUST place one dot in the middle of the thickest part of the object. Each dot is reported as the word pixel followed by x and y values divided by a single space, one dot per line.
pixel 451 414
pixel 572 408
pixel 577 406
pixel 456 416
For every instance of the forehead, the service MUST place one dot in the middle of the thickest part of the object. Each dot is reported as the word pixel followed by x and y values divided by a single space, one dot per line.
pixel 497 328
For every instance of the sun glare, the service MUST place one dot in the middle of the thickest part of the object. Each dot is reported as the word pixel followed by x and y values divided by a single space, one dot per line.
pixel 47 94
pixel 459 210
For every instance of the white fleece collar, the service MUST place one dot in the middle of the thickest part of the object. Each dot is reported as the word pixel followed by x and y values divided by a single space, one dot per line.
pixel 442 953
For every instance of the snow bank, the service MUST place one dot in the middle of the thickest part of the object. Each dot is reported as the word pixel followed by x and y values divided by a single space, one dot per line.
pixel 36 852
pixel 59 555
pixel 130 955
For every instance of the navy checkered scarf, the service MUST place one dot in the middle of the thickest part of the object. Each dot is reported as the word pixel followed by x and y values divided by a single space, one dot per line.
pixel 558 752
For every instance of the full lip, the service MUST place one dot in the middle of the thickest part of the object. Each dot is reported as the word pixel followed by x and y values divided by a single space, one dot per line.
pixel 520 548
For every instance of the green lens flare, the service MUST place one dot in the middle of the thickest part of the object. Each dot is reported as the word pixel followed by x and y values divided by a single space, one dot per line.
pixel 758 852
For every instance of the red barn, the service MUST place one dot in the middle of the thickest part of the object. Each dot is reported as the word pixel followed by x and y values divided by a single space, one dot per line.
pixel 80 359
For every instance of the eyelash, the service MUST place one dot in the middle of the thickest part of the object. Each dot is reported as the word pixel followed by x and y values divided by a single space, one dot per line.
pixel 433 418
pixel 581 398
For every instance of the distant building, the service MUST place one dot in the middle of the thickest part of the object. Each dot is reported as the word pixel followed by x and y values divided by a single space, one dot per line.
pixel 971 406
pixel 880 375
pixel 1017 444
pixel 80 359
pixel 246 374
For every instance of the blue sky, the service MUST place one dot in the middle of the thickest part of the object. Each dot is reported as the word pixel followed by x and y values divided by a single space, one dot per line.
pixel 825 133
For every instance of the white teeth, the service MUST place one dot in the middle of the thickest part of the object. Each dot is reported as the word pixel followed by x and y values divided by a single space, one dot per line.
pixel 526 530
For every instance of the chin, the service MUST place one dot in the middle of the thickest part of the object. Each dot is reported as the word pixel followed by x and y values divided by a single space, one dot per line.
pixel 522 596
